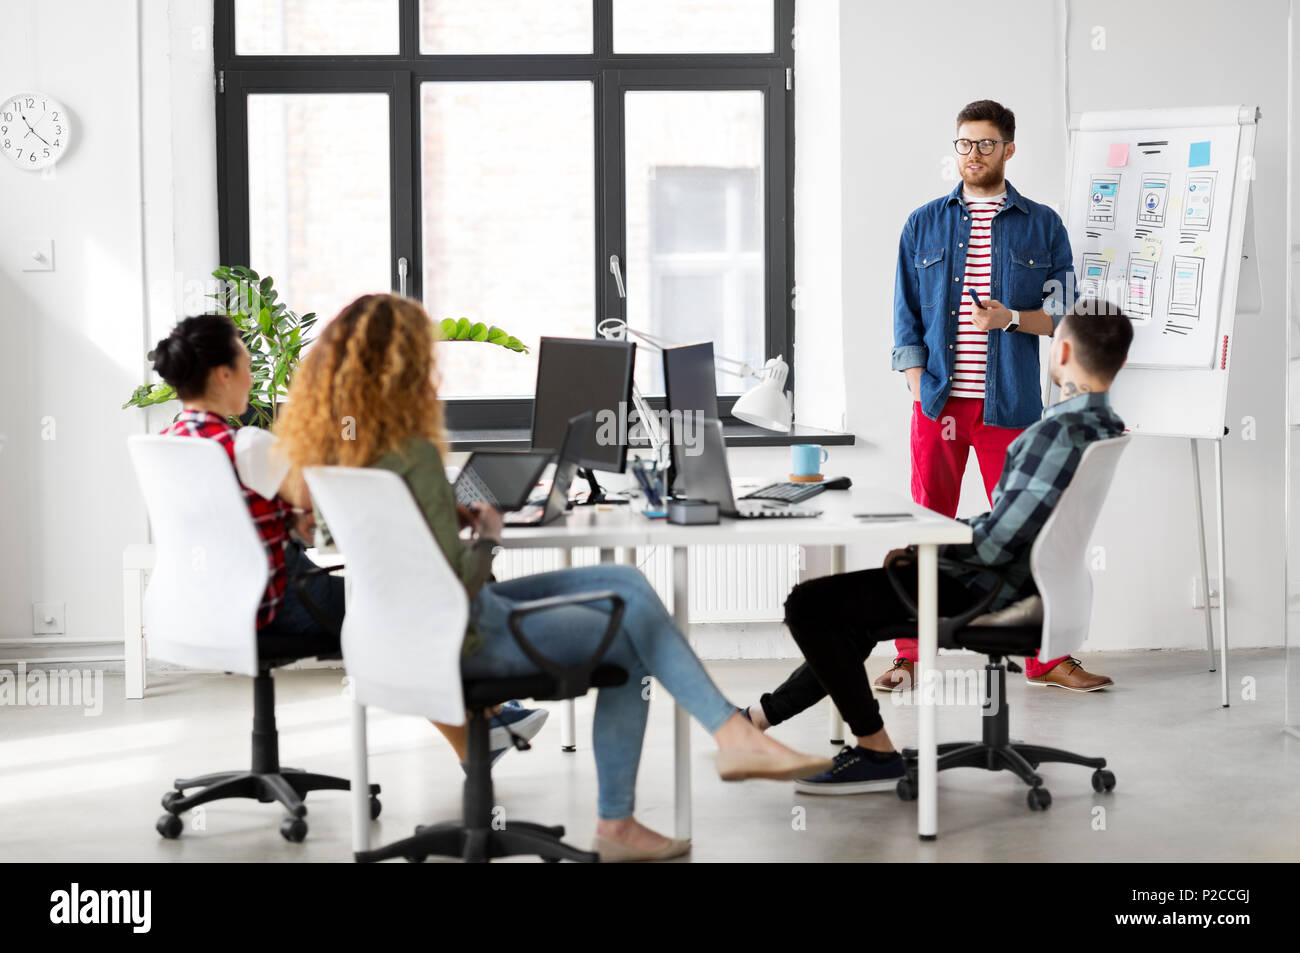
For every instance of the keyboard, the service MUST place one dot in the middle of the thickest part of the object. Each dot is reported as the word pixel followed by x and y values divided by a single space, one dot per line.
pixel 786 492
pixel 470 488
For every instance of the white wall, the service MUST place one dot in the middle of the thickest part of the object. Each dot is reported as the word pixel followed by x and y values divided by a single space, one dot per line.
pixel 75 338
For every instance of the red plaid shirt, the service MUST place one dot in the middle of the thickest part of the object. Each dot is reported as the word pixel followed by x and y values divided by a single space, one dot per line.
pixel 269 516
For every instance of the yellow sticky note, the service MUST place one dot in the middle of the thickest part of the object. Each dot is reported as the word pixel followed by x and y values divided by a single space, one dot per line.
pixel 1175 203
pixel 1108 254
pixel 1152 249
pixel 1199 249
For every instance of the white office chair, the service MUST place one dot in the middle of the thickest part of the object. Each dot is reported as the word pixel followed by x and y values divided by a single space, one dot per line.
pixel 200 611
pixel 402 637
pixel 1049 625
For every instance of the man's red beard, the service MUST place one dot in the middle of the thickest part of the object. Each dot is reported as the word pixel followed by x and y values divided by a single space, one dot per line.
pixel 989 176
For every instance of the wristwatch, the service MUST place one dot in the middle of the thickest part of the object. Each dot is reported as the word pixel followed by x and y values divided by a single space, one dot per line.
pixel 1015 323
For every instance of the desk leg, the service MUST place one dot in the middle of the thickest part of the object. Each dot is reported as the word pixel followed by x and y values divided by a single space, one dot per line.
pixel 927 603
pixel 834 720
pixel 681 721
pixel 133 657
pixel 568 707
pixel 360 781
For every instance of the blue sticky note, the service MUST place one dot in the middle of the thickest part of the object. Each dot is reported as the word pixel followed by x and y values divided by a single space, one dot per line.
pixel 1198 155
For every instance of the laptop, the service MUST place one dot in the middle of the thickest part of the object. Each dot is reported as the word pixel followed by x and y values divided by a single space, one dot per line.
pixel 706 476
pixel 502 480
pixel 541 512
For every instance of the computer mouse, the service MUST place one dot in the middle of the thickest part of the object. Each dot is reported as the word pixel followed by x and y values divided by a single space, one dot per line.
pixel 839 483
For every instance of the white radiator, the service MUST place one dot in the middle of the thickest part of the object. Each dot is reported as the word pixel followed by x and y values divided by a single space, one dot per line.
pixel 733 583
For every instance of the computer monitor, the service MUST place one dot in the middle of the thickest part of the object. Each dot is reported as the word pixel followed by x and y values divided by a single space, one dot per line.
pixel 690 379
pixel 575 375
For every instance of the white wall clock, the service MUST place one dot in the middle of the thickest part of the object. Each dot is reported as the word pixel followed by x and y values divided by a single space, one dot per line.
pixel 34 130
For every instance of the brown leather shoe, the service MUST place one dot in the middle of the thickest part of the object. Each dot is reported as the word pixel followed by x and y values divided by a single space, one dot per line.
pixel 900 677
pixel 1069 673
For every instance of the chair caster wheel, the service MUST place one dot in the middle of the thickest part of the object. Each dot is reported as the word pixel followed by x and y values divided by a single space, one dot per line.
pixel 1040 799
pixel 293 829
pixel 550 860
pixel 1103 780
pixel 415 858
pixel 906 789
pixel 375 807
pixel 569 749
pixel 169 826
pixel 169 798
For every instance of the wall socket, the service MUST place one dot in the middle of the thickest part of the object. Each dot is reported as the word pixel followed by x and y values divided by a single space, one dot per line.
pixel 1198 599
pixel 47 618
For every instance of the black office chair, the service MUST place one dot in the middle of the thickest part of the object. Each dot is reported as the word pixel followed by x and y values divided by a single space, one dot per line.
pixel 265 781
pixel 1062 609
pixel 474 838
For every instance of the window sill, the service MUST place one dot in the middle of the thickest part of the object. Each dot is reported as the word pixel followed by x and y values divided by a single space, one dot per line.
pixel 737 434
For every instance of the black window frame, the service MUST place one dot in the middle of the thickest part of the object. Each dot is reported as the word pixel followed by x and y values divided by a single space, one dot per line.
pixel 400 75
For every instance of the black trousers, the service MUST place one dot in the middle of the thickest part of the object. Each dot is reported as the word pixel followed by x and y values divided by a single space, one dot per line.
pixel 293 618
pixel 835 621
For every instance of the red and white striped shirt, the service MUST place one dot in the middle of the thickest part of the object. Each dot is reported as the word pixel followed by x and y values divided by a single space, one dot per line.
pixel 972 343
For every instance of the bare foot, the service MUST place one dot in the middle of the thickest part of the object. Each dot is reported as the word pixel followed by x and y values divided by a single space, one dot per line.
pixel 633 833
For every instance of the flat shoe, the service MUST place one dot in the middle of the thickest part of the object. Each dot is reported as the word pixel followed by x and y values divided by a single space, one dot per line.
pixel 614 852
pixel 742 765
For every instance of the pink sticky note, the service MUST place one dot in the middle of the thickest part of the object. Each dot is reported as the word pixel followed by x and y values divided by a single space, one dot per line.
pixel 1118 155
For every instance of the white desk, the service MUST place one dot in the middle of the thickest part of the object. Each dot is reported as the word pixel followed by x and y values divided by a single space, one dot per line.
pixel 623 526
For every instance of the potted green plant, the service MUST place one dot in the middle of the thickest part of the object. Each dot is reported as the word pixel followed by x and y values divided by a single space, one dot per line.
pixel 273 334
pixel 464 330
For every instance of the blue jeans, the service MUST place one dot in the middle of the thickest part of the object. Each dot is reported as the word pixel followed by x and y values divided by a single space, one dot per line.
pixel 648 643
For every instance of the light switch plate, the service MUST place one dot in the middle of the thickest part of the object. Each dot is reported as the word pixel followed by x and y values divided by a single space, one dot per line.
pixel 37 254
pixel 47 618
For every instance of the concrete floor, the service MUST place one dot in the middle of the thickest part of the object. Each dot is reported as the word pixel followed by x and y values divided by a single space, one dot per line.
pixel 1196 782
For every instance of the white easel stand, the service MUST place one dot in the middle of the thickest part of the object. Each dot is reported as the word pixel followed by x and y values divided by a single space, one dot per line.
pixel 1223 569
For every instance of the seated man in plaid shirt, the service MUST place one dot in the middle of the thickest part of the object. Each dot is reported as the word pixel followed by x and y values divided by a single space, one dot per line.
pixel 834 619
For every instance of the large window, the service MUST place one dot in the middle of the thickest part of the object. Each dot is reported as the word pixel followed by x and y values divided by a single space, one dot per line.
pixel 538 166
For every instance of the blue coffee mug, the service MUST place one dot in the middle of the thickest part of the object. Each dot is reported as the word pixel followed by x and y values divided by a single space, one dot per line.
pixel 808 458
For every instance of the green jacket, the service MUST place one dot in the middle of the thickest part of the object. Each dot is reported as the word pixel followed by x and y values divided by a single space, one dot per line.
pixel 419 465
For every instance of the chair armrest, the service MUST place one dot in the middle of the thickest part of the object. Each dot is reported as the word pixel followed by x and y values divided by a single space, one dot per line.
pixel 571 680
pixel 953 623
pixel 322 618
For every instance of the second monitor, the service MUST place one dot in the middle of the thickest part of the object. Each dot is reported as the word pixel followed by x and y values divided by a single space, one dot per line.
pixel 575 375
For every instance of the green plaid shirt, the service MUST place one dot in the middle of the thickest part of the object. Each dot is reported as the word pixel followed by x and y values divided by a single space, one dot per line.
pixel 1039 466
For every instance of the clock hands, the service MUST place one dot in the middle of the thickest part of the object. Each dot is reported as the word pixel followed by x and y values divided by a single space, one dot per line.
pixel 30 130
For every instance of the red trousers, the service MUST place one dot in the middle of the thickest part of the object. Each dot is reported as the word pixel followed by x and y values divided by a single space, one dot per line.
pixel 940 449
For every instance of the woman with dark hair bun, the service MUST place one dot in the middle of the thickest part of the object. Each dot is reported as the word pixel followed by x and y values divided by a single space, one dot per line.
pixel 199 346
pixel 208 364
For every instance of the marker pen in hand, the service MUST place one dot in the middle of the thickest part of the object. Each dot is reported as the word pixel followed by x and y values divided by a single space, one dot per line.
pixel 976 298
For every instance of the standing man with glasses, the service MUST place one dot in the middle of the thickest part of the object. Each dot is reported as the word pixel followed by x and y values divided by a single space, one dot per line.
pixel 982 273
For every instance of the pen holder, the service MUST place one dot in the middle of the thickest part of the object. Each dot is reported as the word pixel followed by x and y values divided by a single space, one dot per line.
pixel 651 481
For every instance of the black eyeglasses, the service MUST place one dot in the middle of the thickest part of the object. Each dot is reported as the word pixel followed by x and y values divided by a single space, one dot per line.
pixel 985 145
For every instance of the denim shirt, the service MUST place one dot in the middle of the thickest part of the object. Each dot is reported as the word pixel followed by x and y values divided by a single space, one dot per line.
pixel 1031 268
